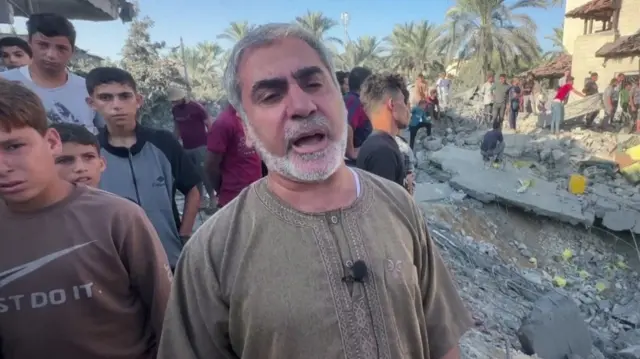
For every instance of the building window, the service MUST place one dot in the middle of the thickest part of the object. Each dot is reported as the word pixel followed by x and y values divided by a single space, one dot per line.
pixel 594 26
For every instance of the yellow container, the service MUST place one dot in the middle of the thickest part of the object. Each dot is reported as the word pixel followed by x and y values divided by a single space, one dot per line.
pixel 577 184
pixel 634 153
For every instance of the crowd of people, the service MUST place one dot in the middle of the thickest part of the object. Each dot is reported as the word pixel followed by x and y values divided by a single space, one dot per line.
pixel 315 250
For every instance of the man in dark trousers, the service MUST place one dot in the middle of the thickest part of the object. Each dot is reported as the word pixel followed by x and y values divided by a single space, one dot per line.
pixel 500 97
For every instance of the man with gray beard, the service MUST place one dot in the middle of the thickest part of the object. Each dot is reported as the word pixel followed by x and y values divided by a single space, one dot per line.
pixel 317 260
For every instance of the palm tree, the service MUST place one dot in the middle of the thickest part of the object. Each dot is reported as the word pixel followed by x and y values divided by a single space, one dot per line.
pixel 236 31
pixel 365 51
pixel 416 48
pixel 556 42
pixel 203 64
pixel 319 25
pixel 482 28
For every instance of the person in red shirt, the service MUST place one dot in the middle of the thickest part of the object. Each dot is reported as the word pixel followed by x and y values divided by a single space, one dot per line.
pixel 191 122
pixel 557 106
pixel 230 164
pixel 433 105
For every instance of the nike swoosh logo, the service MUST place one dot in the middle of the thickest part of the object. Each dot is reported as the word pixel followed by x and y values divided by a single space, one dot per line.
pixel 20 271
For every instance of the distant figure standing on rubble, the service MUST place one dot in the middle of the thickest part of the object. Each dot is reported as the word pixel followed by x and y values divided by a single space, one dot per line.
pixel 419 91
pixel 515 98
pixel 500 97
pixel 486 92
pixel 528 98
pixel 635 104
pixel 591 88
pixel 557 106
pixel 443 85
pixel 610 101
pixel 492 146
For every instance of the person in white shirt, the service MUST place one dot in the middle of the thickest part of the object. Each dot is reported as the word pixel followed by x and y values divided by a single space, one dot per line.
pixel 63 94
pixel 443 85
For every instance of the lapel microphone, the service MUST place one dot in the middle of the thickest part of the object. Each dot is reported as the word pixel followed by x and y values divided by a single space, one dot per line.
pixel 358 272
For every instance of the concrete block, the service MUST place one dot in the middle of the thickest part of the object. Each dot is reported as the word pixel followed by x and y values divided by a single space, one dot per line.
pixel 555 329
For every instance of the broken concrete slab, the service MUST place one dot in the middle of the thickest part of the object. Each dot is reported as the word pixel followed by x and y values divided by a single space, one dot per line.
pixel 555 329
pixel 489 185
pixel 431 192
pixel 629 353
pixel 628 314
pixel 621 220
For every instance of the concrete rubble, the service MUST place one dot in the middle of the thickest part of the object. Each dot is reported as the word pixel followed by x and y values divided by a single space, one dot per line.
pixel 501 232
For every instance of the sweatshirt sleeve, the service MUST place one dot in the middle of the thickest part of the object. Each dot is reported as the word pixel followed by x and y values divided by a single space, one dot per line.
pixel 146 261
pixel 197 320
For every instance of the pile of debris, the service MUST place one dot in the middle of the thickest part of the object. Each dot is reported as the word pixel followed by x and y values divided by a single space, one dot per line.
pixel 533 283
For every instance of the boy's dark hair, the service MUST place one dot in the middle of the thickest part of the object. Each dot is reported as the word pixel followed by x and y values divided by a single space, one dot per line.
pixel 108 75
pixel 341 75
pixel 496 125
pixel 73 133
pixel 377 87
pixel 51 25
pixel 20 108
pixel 17 42
pixel 357 77
pixel 504 76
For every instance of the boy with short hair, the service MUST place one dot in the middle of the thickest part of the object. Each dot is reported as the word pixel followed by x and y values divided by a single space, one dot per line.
pixel 146 165
pixel 14 52
pixel 83 272
pixel 80 160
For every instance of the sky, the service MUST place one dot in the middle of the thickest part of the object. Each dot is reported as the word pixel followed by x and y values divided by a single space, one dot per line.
pixel 203 20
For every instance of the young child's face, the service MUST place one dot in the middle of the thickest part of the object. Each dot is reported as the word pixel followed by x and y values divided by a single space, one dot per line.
pixel 80 164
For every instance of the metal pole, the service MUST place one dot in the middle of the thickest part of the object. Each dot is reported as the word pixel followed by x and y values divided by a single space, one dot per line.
pixel 184 66
pixel 344 17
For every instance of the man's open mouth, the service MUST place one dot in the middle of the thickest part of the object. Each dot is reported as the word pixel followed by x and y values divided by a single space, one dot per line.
pixel 310 142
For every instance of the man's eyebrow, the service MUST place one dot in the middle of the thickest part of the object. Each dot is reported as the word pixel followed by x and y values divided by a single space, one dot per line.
pixel 273 83
pixel 306 72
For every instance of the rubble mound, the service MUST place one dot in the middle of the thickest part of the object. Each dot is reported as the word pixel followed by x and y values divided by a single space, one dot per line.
pixel 523 248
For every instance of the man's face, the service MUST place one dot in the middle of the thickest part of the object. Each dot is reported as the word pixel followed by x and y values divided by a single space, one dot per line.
pixel 490 79
pixel 620 78
pixel 51 54
pixel 296 115
pixel 13 57
pixel 567 73
pixel 502 80
pixel 26 163
pixel 116 103
pixel 80 164
pixel 345 85
pixel 400 111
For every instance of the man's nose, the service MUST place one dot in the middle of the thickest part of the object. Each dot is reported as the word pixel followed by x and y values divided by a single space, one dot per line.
pixel 51 53
pixel 79 166
pixel 300 103
pixel 5 166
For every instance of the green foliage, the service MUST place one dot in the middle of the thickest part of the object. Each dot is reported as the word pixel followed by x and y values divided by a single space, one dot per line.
pixel 477 36
pixel 153 72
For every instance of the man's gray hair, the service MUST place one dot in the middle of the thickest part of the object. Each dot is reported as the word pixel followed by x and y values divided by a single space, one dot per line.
pixel 266 35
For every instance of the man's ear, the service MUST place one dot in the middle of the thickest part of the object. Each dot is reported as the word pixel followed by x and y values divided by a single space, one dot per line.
pixel 103 164
pixel 53 140
pixel 139 100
